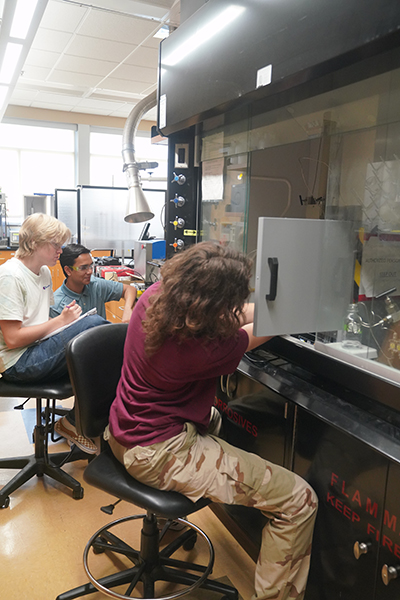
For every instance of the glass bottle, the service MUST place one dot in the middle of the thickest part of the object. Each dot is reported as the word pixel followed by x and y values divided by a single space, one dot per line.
pixel 352 330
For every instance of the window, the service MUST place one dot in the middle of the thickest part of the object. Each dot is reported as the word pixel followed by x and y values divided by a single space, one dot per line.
pixel 34 159
pixel 106 160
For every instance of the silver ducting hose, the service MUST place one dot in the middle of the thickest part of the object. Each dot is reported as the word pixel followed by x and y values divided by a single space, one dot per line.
pixel 138 208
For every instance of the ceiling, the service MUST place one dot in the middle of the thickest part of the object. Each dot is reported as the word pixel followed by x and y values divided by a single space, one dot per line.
pixel 96 56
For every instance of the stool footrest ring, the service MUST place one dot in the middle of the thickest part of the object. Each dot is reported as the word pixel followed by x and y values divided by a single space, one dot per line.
pixel 164 568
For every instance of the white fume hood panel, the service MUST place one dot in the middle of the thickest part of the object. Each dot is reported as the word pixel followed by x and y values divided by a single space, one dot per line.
pixel 304 275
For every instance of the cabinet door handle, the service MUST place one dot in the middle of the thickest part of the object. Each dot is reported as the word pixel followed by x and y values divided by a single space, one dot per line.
pixel 360 548
pixel 273 267
pixel 388 573
pixel 231 385
pixel 222 383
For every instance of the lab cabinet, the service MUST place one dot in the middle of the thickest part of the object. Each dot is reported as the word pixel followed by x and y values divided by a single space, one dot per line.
pixel 388 579
pixel 114 310
pixel 350 481
pixel 57 276
pixel 257 420
pixel 346 446
pixel 356 546
pixel 6 255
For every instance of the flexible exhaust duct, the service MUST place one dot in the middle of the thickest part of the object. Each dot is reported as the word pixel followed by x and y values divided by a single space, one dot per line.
pixel 138 209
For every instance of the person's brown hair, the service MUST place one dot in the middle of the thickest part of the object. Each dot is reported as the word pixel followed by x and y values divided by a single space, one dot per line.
pixel 202 293
pixel 39 229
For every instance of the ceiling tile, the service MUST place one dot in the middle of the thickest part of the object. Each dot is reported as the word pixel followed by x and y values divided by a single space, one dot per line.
pixel 108 26
pixel 50 40
pixel 134 73
pixel 91 111
pixel 49 98
pixel 41 58
pixel 124 85
pixel 103 104
pixel 152 114
pixel 144 56
pixel 152 42
pixel 30 72
pixel 149 89
pixel 62 16
pixel 94 56
pixel 122 114
pixel 19 94
pixel 156 10
pixel 92 66
pixel 89 47
pixel 18 102
pixel 50 105
pixel 80 80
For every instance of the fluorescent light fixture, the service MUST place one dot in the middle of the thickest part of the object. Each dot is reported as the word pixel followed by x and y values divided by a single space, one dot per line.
pixel 20 20
pixel 23 15
pixel 10 61
pixel 204 34
pixel 3 94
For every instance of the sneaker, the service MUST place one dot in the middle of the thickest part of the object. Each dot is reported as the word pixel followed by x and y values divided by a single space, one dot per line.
pixel 64 428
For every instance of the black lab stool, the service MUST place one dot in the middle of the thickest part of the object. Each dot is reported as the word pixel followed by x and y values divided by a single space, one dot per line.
pixel 40 463
pixel 94 360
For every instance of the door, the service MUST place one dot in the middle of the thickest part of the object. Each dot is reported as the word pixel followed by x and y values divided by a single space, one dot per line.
pixel 388 580
pixel 349 479
pixel 304 275
pixel 258 420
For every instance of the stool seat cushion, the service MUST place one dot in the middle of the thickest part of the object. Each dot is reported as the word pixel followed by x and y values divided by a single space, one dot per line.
pixel 59 388
pixel 108 474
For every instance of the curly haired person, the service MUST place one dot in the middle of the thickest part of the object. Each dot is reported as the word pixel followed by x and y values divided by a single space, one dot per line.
pixel 186 330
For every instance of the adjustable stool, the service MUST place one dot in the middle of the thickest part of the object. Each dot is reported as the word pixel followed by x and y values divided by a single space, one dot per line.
pixel 86 358
pixel 149 563
pixel 40 463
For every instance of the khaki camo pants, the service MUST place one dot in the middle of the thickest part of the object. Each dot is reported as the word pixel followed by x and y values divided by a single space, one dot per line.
pixel 206 466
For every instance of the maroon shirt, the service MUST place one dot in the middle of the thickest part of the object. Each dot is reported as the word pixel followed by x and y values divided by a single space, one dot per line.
pixel 156 395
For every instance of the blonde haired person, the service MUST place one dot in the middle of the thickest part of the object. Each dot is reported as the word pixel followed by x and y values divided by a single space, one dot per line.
pixel 25 297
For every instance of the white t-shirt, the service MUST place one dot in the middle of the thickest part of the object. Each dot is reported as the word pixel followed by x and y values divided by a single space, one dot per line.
pixel 25 297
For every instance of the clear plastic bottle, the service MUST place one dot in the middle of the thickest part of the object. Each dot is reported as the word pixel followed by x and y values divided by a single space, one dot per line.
pixel 352 330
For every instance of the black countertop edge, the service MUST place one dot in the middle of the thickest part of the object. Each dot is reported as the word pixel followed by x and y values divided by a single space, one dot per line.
pixel 322 365
pixel 372 431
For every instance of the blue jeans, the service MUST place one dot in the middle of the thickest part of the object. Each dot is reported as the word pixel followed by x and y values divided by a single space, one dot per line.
pixel 46 360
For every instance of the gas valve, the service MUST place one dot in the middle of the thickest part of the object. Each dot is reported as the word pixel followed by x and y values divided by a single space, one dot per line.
pixel 178 200
pixel 178 223
pixel 178 244
pixel 180 179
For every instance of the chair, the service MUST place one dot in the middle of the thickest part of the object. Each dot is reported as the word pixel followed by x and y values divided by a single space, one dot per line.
pixel 94 360
pixel 40 463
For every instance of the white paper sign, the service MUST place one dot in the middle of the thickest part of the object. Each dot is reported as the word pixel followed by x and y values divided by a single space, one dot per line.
pixel 212 182
pixel 163 111
pixel 264 76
